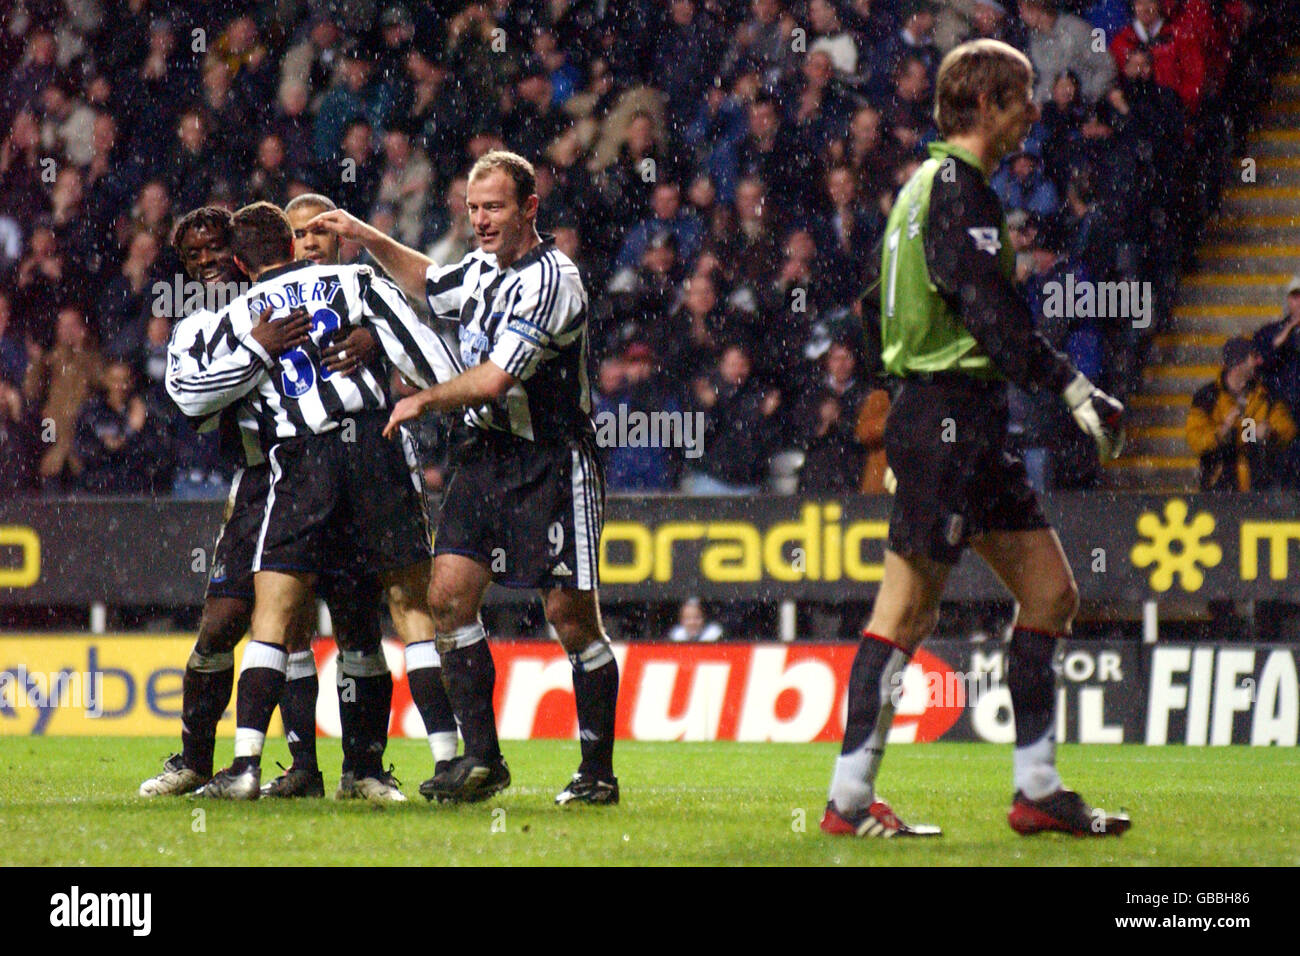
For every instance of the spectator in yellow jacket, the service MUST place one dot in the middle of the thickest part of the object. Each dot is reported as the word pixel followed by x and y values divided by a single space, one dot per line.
pixel 1237 427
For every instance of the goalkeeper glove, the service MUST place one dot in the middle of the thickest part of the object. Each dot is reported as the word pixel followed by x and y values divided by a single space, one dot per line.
pixel 1097 414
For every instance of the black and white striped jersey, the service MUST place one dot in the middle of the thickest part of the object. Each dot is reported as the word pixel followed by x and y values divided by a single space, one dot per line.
pixel 192 351
pixel 530 320
pixel 295 395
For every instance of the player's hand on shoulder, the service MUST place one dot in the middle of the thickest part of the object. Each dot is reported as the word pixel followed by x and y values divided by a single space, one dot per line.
pixel 345 356
pixel 1097 413
pixel 343 224
pixel 278 336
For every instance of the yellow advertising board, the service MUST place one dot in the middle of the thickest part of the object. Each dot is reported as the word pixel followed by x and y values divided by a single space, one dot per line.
pixel 111 684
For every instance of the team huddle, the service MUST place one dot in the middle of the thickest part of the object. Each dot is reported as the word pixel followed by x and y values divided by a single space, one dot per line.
pixel 328 499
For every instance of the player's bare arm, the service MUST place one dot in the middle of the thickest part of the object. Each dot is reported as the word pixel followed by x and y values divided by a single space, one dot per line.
pixel 406 266
pixel 483 383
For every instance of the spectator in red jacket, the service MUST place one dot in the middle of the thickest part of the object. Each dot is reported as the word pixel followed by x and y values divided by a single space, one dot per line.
pixel 1178 57
pixel 1195 20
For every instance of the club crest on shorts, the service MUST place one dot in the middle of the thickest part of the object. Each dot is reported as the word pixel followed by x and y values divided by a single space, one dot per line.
pixel 986 239
pixel 952 531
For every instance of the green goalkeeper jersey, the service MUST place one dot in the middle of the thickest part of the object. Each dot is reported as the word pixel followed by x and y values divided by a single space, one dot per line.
pixel 922 285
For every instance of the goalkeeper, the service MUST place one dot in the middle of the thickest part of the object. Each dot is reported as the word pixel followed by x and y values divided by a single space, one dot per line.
pixel 954 331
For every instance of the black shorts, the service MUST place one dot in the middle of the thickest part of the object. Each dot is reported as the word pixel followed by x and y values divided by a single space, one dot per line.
pixel 349 499
pixel 231 575
pixel 946 441
pixel 531 513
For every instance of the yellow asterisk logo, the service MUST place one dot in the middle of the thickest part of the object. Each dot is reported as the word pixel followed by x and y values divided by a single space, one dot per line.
pixel 1174 546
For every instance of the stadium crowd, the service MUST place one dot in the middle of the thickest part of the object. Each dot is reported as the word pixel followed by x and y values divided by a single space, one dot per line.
pixel 719 169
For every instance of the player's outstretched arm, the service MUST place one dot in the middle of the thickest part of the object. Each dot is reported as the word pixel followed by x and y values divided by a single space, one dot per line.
pixel 483 383
pixel 407 266
pixel 547 310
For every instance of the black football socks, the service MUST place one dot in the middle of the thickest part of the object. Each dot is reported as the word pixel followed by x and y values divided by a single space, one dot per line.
pixel 469 676
pixel 205 694
pixel 1032 683
pixel 424 676
pixel 298 708
pixel 595 692
pixel 875 683
pixel 260 685
pixel 365 688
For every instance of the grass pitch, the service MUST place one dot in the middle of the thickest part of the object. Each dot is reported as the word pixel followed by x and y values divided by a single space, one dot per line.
pixel 70 801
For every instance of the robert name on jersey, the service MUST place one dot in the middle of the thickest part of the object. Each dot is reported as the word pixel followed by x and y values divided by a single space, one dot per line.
pixel 298 395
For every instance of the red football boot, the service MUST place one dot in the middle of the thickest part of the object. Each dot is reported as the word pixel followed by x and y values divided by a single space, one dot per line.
pixel 878 820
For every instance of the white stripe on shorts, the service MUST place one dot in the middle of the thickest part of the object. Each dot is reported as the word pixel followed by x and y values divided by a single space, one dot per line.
pixel 270 502
pixel 586 531
pixel 230 508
